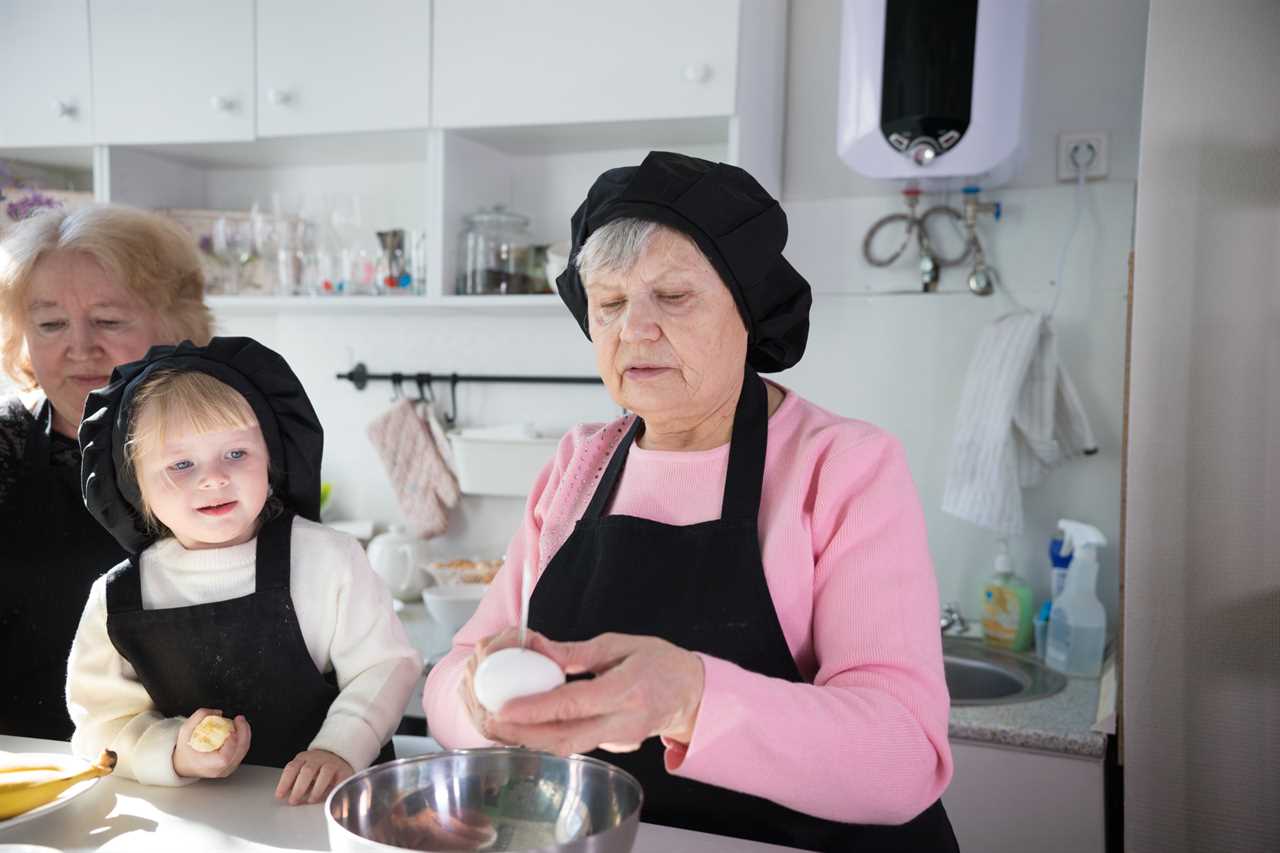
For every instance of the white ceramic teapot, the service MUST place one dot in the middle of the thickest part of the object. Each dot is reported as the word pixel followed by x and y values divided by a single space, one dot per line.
pixel 395 557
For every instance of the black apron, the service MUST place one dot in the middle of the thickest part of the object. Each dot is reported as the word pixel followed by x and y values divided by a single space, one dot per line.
pixel 54 551
pixel 702 587
pixel 244 655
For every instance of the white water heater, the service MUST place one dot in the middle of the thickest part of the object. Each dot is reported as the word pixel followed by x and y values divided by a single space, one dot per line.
pixel 936 93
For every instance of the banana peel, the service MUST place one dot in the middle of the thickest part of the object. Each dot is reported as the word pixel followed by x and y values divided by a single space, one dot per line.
pixel 26 784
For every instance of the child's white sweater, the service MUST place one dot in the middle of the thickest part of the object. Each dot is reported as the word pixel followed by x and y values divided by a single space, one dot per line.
pixel 347 622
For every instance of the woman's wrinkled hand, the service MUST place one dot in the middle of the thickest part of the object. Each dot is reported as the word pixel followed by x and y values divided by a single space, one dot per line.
pixel 504 639
pixel 192 764
pixel 643 686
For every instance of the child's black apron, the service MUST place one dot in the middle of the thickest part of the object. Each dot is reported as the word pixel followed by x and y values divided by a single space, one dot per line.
pixel 244 655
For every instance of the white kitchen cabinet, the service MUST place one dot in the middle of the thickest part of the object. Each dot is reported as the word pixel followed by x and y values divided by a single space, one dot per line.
pixel 337 68
pixel 426 110
pixel 511 62
pixel 169 71
pixel 45 95
pixel 1005 800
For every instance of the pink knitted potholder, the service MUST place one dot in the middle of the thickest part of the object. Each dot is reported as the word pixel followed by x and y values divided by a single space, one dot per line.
pixel 425 486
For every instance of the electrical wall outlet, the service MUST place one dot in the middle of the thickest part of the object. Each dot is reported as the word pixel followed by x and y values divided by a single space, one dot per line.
pixel 1090 151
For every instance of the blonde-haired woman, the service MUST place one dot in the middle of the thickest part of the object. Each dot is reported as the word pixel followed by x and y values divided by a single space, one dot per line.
pixel 80 292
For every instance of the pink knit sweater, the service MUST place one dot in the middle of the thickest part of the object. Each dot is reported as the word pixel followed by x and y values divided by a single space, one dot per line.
pixel 847 563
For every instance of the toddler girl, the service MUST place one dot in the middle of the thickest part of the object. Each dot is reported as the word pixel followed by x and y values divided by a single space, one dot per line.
pixel 204 462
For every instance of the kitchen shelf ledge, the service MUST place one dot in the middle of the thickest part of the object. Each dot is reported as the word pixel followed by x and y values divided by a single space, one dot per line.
pixel 547 303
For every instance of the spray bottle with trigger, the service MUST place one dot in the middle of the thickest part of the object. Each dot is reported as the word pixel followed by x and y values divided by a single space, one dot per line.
pixel 1078 626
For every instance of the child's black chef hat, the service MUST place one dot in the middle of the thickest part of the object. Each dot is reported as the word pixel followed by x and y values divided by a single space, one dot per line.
pixel 289 424
pixel 737 224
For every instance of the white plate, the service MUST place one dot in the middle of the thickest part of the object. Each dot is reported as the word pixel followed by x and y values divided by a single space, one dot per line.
pixel 68 761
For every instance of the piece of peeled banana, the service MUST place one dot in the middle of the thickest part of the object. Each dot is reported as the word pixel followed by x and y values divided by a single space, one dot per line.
pixel 211 733
pixel 26 784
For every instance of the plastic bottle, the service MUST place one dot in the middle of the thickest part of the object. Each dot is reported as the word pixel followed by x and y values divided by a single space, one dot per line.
pixel 1007 610
pixel 1041 624
pixel 1078 626
pixel 1060 562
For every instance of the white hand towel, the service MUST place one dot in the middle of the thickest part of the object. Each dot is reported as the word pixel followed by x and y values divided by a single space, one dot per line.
pixel 417 465
pixel 1019 417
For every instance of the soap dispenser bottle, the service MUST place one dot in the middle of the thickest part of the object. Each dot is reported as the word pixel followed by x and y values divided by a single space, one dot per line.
pixel 1006 607
pixel 1078 626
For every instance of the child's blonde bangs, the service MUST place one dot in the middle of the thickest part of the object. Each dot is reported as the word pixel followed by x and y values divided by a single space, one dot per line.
pixel 183 403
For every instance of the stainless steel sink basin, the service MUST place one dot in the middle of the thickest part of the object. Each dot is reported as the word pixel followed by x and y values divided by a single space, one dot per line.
pixel 978 675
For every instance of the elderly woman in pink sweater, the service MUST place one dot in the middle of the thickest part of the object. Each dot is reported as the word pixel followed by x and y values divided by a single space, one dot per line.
pixel 740 579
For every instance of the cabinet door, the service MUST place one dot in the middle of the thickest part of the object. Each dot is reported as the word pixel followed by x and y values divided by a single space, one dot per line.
pixel 172 70
pixel 44 73
pixel 330 68
pixel 1003 799
pixel 508 62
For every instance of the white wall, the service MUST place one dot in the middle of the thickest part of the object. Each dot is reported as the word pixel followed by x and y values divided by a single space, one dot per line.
pixel 900 361
pixel 320 345
pixel 895 360
pixel 1202 574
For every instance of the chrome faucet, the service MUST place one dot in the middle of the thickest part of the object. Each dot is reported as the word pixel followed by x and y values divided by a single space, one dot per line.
pixel 951 619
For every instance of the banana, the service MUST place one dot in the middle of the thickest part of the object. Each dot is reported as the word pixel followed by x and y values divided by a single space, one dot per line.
pixel 13 762
pixel 24 787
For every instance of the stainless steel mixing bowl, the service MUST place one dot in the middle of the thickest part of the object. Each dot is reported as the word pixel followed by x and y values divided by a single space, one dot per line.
pixel 486 799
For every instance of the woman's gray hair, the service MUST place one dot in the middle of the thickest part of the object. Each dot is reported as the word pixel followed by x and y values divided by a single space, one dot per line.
pixel 150 255
pixel 617 246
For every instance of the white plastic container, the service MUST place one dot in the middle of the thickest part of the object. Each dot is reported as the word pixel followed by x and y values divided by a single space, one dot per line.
pixel 499 461
pixel 452 606
pixel 1078 626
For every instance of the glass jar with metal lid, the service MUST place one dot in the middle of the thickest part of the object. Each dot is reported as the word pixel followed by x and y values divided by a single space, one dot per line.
pixel 493 253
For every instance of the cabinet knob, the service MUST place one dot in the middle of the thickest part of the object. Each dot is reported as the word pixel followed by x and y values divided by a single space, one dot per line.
pixel 280 97
pixel 64 109
pixel 697 72
pixel 221 104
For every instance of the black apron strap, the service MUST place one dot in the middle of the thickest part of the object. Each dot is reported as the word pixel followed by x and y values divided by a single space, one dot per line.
pixel 744 481
pixel 604 491
pixel 124 587
pixel 273 553
pixel 39 448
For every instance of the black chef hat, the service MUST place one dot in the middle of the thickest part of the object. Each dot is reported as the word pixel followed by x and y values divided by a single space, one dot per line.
pixel 737 224
pixel 289 424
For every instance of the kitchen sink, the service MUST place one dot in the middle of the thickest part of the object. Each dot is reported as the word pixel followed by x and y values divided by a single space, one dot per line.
pixel 978 675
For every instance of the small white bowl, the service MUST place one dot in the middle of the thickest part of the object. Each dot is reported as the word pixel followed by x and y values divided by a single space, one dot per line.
pixel 557 260
pixel 451 606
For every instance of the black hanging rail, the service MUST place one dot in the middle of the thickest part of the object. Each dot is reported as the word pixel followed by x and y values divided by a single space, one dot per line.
pixel 360 376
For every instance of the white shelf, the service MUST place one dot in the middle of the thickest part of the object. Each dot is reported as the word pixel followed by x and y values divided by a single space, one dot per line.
pixel 554 139
pixel 78 157
pixel 528 304
pixel 389 146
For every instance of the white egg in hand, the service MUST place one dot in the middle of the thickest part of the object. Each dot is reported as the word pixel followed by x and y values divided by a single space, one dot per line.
pixel 508 673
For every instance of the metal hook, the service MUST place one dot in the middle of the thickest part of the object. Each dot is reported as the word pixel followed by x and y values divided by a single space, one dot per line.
pixel 451 416
pixel 425 395
pixel 397 386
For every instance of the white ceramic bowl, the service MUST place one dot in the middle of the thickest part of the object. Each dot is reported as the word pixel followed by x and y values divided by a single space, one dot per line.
pixel 452 606
pixel 557 260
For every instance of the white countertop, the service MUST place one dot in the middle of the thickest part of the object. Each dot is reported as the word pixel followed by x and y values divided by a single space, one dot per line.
pixel 235 814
